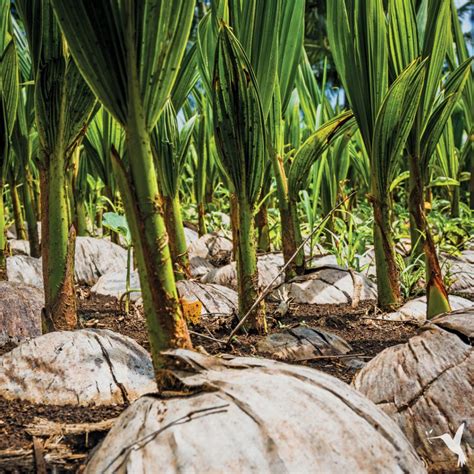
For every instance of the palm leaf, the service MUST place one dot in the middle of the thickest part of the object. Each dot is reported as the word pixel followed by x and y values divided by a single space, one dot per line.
pixel 437 121
pixel 122 46
pixel 238 117
pixel 255 25
pixel 290 47
pixel 395 121
pixel 187 78
pixel 206 44
pixel 403 34
pixel 313 148
pixel 9 87
pixel 435 45
pixel 358 39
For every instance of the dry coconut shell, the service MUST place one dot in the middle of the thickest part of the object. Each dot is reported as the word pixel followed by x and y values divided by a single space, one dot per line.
pixel 84 367
pixel 253 415
pixel 426 386
pixel 20 311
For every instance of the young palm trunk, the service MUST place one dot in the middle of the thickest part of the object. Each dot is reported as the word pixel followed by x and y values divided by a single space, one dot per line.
pixel 235 223
pixel 261 222
pixel 58 248
pixel 471 185
pixel 166 325
pixel 81 215
pixel 416 206
pixel 388 278
pixel 455 199
pixel 290 231
pixel 98 220
pixel 37 198
pixel 247 270
pixel 437 296
pixel 3 239
pixel 202 228
pixel 177 238
pixel 17 212
pixel 30 214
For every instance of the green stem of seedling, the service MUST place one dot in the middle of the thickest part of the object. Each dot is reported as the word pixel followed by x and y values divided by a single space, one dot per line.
pixel 268 288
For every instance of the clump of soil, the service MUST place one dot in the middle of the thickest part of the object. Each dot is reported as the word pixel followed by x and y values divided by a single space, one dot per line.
pixel 358 326
pixel 17 415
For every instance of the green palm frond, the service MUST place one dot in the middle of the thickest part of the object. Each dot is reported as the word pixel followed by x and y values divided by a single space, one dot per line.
pixel 314 147
pixel 125 46
pixel 395 121
pixel 358 39
pixel 238 117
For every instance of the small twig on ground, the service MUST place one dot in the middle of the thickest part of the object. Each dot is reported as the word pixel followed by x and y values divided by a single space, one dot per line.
pixel 211 338
pixel 339 356
pixel 267 289
pixel 42 427
pixel 412 322
pixel 38 452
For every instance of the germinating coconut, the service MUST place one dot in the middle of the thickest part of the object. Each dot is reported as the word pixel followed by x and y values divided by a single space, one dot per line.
pixel 253 415
pixel 426 386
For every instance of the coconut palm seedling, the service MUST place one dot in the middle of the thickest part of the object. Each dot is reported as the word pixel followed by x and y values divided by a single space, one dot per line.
pixel 200 162
pixel 253 48
pixel 359 38
pixel 457 55
pixel 239 129
pixel 292 170
pixel 170 148
pixel 13 174
pixel 9 96
pixel 24 142
pixel 103 134
pixel 290 50
pixel 129 53
pixel 292 166
pixel 330 173
pixel 409 39
pixel 63 104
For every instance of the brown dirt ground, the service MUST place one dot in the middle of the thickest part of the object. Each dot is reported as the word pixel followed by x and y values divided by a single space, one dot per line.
pixel 366 335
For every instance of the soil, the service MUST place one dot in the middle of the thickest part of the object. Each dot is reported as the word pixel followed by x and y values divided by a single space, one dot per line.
pixel 358 326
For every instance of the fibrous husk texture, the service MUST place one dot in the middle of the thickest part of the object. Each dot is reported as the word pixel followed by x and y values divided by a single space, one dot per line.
pixel 328 285
pixel 19 247
pixel 25 269
pixel 426 386
pixel 302 343
pixel 460 271
pixel 214 247
pixel 20 312
pixel 253 415
pixel 93 258
pixel 97 257
pixel 268 268
pixel 84 367
pixel 114 284
pixel 415 310
pixel 215 299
